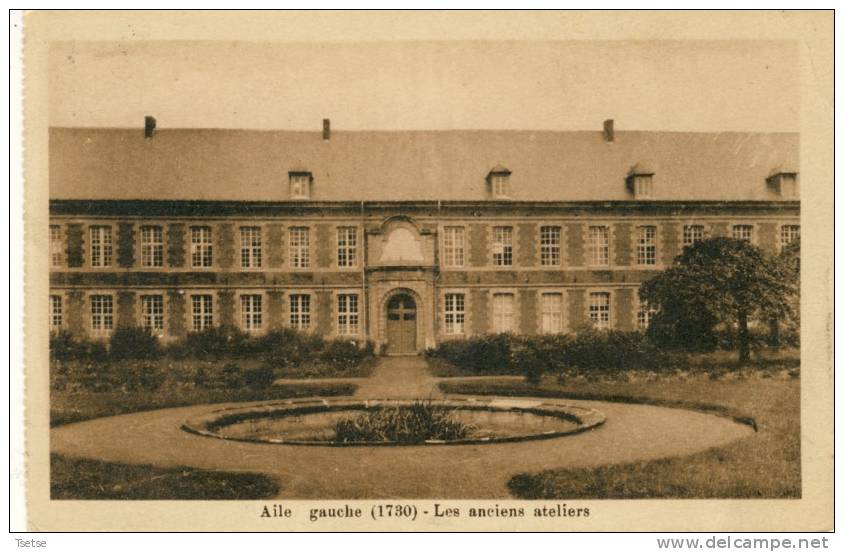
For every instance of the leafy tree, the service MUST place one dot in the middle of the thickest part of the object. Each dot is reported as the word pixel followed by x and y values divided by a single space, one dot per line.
pixel 790 257
pixel 721 280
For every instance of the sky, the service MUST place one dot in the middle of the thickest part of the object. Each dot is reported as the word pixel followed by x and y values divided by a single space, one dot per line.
pixel 517 84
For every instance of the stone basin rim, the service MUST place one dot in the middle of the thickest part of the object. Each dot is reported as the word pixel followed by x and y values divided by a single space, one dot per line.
pixel 588 418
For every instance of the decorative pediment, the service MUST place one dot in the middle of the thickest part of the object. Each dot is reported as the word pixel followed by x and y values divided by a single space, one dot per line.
pixel 402 244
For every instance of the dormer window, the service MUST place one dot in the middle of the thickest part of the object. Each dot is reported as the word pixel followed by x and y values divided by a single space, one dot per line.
pixel 499 182
pixel 300 184
pixel 784 183
pixel 640 182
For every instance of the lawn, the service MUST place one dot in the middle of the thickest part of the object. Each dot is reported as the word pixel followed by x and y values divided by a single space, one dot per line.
pixel 764 465
pixel 94 480
pixel 68 406
pixel 72 478
pixel 715 363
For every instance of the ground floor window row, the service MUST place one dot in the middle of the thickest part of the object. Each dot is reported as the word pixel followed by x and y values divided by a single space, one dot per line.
pixel 203 312
pixel 503 308
pixel 298 310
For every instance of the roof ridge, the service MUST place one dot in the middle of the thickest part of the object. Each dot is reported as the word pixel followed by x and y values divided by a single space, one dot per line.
pixel 422 130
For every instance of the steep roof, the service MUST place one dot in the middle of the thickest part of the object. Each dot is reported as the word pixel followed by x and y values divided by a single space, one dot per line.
pixel 220 164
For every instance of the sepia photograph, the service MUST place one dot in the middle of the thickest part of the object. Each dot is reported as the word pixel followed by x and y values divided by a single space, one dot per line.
pixel 453 278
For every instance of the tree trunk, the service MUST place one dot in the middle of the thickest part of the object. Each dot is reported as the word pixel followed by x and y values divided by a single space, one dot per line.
pixel 743 338
pixel 774 334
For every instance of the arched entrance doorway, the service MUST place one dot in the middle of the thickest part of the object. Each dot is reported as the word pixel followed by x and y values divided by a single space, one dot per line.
pixel 401 324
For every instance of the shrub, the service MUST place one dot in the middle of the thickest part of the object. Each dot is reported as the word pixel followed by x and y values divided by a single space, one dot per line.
pixel 139 376
pixel 106 377
pixel 692 333
pixel 259 378
pixel 605 351
pixel 590 350
pixel 201 377
pixel 415 423
pixel 64 346
pixel 341 353
pixel 95 377
pixel 216 343
pixel 288 348
pixel 133 343
pixel 727 338
pixel 231 376
pixel 534 356
pixel 487 354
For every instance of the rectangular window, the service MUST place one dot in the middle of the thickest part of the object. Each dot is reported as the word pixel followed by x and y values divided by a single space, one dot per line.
pixel 347 314
pixel 250 247
pixel 250 312
pixel 201 246
pixel 453 245
pixel 646 245
pixel 152 246
pixel 56 312
pixel 788 233
pixel 102 313
pixel 552 313
pixel 300 186
pixel 643 185
pixel 502 312
pixel 644 316
pixel 692 233
pixel 101 246
pixel 455 313
pixel 347 246
pixel 152 313
pixel 599 245
pixel 300 311
pixel 599 309
pixel 500 185
pixel 549 244
pixel 56 246
pixel 743 232
pixel 202 312
pixel 300 249
pixel 502 245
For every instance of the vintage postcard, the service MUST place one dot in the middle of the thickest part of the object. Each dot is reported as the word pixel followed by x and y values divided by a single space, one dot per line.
pixel 429 271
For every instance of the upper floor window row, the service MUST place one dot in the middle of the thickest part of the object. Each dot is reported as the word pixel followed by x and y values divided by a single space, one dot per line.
pixel 201 247
pixel 546 245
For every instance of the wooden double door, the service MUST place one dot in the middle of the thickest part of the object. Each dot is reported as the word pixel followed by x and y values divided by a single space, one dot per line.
pixel 401 324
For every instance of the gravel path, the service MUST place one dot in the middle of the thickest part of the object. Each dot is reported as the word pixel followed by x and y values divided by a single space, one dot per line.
pixel 632 432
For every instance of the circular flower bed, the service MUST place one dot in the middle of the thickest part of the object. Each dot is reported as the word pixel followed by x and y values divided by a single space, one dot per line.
pixel 395 422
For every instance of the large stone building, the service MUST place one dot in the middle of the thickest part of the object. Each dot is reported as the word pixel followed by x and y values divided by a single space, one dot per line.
pixel 406 237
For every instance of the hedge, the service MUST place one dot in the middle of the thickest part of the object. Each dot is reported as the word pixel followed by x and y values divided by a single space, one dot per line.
pixel 590 351
pixel 133 358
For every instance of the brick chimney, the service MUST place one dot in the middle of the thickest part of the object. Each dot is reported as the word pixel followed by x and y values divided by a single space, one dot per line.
pixel 149 126
pixel 609 130
pixel 326 129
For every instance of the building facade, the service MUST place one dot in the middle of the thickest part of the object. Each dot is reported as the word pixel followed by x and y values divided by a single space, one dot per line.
pixel 403 238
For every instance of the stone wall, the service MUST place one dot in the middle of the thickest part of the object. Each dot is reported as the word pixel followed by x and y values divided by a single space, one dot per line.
pixel 176 247
pixel 575 243
pixel 125 245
